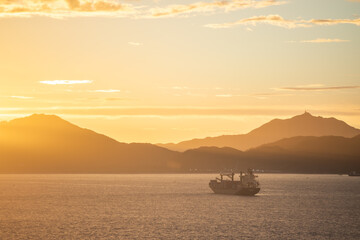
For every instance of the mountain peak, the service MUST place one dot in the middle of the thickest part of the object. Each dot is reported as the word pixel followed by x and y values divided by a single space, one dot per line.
pixel 41 116
pixel 304 124
pixel 40 120
pixel 307 114
pixel 38 117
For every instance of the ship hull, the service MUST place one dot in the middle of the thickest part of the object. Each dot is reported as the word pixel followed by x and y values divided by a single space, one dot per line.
pixel 243 191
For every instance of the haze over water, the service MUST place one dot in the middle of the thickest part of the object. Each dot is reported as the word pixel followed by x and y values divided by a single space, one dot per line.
pixel 177 206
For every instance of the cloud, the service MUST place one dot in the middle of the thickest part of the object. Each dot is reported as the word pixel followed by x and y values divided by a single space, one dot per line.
pixel 135 43
pixel 65 82
pixel 267 95
pixel 197 7
pixel 107 91
pixel 63 8
pixel 317 88
pixel 269 19
pixel 180 88
pixel 116 99
pixel 325 40
pixel 224 95
pixel 113 8
pixel 22 97
pixel 334 21
pixel 277 20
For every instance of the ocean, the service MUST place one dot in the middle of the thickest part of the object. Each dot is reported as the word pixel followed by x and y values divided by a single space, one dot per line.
pixel 177 206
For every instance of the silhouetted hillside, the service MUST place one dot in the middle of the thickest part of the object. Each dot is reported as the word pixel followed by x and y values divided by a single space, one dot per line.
pixel 211 159
pixel 43 143
pixel 277 129
pixel 332 145
pixel 330 154
pixel 49 144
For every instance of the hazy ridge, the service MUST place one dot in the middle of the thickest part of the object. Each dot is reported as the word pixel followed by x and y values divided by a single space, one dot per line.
pixel 277 129
pixel 49 144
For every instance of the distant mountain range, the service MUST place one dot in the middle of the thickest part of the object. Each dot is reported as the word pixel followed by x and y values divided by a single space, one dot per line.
pixel 329 154
pixel 48 144
pixel 277 129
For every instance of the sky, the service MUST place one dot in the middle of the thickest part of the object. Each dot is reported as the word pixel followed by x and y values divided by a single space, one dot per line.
pixel 166 71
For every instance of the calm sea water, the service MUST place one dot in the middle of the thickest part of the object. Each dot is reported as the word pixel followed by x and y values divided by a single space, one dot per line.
pixel 177 206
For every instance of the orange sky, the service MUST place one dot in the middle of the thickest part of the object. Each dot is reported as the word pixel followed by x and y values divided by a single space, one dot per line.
pixel 154 71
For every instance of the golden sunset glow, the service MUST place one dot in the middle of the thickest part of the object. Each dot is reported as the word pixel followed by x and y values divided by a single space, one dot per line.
pixel 179 119
pixel 168 71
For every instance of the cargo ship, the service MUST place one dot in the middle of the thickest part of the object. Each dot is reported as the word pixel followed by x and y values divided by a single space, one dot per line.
pixel 247 185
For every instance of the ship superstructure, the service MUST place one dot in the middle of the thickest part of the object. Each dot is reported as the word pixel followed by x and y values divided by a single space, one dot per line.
pixel 248 184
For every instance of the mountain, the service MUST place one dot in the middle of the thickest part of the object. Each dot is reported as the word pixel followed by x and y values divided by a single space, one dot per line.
pixel 211 159
pixel 325 145
pixel 328 154
pixel 277 129
pixel 47 143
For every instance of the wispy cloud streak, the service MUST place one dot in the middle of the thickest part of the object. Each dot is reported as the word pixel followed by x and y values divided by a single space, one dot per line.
pixel 64 8
pixel 317 88
pixel 269 19
pixel 135 43
pixel 65 82
pixel 113 8
pixel 107 90
pixel 325 40
pixel 279 21
pixel 22 97
pixel 197 7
